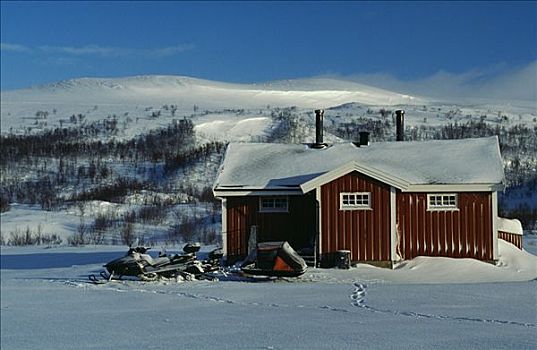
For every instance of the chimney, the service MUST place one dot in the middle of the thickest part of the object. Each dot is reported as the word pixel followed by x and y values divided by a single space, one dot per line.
pixel 400 125
pixel 319 129
pixel 364 138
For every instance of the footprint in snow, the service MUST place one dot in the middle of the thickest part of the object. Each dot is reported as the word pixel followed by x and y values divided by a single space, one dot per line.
pixel 358 295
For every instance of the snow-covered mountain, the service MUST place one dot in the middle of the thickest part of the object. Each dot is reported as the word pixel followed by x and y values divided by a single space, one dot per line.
pixel 138 97
pixel 312 93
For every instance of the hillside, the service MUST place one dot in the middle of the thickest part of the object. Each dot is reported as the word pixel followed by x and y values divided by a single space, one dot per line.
pixel 119 159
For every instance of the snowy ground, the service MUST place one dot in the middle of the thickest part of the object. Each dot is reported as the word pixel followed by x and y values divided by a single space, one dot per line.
pixel 47 303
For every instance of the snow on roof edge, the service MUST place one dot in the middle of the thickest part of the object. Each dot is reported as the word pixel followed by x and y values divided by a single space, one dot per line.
pixel 513 226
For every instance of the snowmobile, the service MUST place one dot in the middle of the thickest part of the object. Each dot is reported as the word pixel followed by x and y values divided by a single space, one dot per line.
pixel 274 259
pixel 137 263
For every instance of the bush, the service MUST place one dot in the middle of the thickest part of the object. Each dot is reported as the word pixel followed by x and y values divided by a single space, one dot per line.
pixel 152 214
pixel 209 237
pixel 4 203
pixel 102 222
pixel 127 233
pixel 18 238
pixel 79 238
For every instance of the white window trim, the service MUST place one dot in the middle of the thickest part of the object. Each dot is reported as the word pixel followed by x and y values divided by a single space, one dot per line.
pixel 443 207
pixel 273 210
pixel 354 207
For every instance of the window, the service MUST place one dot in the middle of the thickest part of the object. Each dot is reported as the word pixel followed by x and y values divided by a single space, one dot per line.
pixel 273 204
pixel 442 202
pixel 354 200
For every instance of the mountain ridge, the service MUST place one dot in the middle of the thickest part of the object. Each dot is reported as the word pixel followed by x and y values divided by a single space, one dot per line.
pixel 305 92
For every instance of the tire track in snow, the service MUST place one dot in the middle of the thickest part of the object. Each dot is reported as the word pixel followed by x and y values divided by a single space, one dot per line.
pixel 360 292
pixel 116 286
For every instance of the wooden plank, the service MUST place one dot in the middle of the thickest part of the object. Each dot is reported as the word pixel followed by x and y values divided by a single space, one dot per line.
pixel 387 228
pixel 420 227
pixel 488 227
pixel 410 231
pixel 480 222
pixel 377 225
pixel 362 236
pixel 472 233
pixel 449 234
pixel 464 228
pixel 442 246
pixel 429 232
pixel 325 212
pixel 402 227
pixel 434 230
pixel 456 234
pixel 406 234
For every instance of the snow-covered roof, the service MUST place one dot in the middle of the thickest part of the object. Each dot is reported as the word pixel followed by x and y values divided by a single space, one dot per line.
pixel 510 225
pixel 264 166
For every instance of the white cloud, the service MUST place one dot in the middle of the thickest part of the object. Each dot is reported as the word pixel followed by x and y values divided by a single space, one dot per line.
pixel 170 51
pixel 496 82
pixel 84 50
pixel 14 48
pixel 518 83
pixel 97 50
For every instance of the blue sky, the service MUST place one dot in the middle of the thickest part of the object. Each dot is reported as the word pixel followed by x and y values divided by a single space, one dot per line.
pixel 260 41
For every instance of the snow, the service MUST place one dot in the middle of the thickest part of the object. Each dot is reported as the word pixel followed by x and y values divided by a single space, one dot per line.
pixel 22 217
pixel 163 87
pixel 263 165
pixel 510 225
pixel 132 100
pixel 231 127
pixel 428 303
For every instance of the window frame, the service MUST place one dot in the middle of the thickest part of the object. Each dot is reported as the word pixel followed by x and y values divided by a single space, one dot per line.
pixel 346 206
pixel 273 209
pixel 443 206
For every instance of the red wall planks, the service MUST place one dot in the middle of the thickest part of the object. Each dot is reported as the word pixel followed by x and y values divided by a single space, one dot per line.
pixel 466 232
pixel 366 233
pixel 511 238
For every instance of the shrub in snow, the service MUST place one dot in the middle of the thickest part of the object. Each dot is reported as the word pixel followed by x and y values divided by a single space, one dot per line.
pixel 28 237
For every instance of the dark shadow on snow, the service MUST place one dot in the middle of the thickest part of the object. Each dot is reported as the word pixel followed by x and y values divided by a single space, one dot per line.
pixel 54 260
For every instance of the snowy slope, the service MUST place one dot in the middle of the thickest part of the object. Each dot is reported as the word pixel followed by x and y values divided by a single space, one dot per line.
pixel 302 93
pixel 135 98
pixel 415 306
pixel 132 101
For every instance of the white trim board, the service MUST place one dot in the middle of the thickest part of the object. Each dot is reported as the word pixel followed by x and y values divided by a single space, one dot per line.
pixel 393 225
pixel 224 227
pixel 495 253
pixel 260 192
pixel 319 224
pixel 350 167
pixel 454 188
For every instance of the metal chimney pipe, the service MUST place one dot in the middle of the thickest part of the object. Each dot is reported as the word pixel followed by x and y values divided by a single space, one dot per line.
pixel 400 125
pixel 364 138
pixel 319 113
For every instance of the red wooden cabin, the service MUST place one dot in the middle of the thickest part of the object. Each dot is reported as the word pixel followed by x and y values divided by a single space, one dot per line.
pixel 384 202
